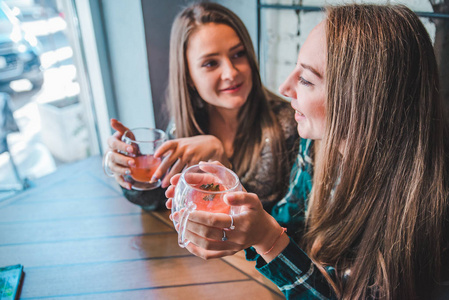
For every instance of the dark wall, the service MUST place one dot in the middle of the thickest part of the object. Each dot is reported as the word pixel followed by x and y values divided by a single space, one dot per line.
pixel 157 17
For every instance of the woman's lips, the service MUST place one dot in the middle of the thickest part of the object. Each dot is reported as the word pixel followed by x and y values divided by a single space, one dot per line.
pixel 233 88
pixel 298 115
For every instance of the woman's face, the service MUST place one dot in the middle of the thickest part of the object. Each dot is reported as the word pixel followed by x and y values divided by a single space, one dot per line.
pixel 306 85
pixel 218 66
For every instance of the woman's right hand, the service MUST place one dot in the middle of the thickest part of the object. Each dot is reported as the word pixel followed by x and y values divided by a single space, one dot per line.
pixel 118 163
pixel 253 227
pixel 185 152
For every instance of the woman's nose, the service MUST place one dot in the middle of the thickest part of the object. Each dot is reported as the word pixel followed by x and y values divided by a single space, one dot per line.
pixel 288 87
pixel 229 71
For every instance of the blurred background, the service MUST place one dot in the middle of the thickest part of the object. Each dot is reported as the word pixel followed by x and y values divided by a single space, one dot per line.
pixel 68 66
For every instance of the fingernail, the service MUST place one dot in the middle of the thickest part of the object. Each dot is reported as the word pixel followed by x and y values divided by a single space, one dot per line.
pixel 154 179
pixel 131 163
pixel 127 172
pixel 129 149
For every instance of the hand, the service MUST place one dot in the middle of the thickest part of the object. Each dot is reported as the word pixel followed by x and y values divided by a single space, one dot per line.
pixel 118 163
pixel 185 152
pixel 253 227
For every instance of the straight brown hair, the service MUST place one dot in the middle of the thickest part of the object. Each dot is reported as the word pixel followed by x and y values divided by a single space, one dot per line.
pixel 378 208
pixel 256 122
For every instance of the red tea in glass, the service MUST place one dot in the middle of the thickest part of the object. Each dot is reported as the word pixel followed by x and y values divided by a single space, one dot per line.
pixel 145 167
pixel 144 142
pixel 206 201
pixel 203 187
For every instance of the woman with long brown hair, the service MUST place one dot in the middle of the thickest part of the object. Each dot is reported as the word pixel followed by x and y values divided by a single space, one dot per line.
pixel 219 109
pixel 365 89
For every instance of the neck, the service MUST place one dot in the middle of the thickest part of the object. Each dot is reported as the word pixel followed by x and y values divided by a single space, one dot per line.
pixel 222 117
pixel 223 124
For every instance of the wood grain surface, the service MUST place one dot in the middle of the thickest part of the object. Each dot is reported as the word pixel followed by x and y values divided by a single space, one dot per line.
pixel 79 238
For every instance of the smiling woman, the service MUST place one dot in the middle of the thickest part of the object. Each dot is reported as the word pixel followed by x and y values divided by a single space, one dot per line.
pixel 216 58
pixel 306 86
pixel 219 109
pixel 368 202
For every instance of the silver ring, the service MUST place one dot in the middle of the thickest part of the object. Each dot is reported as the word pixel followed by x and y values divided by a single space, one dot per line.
pixel 224 238
pixel 232 227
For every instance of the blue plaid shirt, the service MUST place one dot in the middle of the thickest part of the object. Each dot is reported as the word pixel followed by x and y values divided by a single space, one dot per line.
pixel 293 271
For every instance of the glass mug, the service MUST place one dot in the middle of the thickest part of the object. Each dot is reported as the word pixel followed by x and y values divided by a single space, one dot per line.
pixel 202 187
pixel 145 141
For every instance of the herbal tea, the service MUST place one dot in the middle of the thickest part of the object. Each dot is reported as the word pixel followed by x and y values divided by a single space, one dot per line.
pixel 145 167
pixel 208 201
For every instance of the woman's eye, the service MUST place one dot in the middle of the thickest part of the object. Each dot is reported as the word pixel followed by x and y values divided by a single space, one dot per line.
pixel 304 82
pixel 209 64
pixel 240 54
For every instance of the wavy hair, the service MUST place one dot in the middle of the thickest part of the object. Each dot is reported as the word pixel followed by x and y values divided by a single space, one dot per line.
pixel 256 122
pixel 379 207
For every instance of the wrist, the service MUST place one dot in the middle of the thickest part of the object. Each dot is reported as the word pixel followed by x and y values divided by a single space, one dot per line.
pixel 272 234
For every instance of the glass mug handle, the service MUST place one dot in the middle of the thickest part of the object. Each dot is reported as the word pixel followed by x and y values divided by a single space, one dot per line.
pixel 106 169
pixel 182 241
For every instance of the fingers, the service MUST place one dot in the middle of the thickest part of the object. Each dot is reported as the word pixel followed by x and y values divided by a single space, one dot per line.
pixel 169 203
pixel 166 163
pixel 249 200
pixel 208 254
pixel 121 181
pixel 166 147
pixel 200 178
pixel 200 219
pixel 119 163
pixel 215 162
pixel 175 169
pixel 115 144
pixel 175 179
pixel 117 125
pixel 170 192
pixel 213 244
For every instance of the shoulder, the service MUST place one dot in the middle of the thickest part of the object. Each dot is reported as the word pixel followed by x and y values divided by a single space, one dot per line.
pixel 284 114
pixel 279 106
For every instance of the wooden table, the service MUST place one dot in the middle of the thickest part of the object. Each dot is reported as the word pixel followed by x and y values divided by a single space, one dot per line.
pixel 79 238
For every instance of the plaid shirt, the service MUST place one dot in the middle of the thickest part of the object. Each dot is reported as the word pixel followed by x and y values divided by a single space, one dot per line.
pixel 293 271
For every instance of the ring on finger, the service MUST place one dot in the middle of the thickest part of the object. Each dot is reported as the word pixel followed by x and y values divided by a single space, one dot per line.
pixel 232 227
pixel 224 238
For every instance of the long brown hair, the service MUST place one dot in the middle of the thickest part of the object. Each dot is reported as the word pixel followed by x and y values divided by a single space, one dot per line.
pixel 378 208
pixel 256 122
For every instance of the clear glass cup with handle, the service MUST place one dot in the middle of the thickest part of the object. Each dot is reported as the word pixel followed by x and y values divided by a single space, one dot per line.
pixel 202 187
pixel 145 141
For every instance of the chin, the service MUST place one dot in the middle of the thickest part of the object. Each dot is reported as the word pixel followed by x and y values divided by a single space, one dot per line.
pixel 305 134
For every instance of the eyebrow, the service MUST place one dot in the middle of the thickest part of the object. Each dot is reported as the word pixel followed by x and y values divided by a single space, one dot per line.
pixel 215 53
pixel 313 70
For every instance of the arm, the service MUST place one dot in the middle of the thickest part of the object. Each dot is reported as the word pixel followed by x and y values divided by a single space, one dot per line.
pixel 294 273
pixel 278 257
pixel 177 154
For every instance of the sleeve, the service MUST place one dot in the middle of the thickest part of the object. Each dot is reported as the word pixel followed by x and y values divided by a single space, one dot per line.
pixel 294 274
pixel 148 200
pixel 290 211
